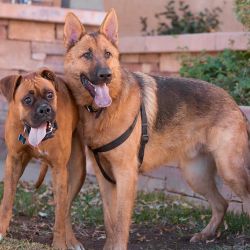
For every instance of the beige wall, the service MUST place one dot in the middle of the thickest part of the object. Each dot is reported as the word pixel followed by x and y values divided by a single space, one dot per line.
pixel 129 12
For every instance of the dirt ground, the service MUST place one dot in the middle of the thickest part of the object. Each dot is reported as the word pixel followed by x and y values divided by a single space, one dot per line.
pixel 37 229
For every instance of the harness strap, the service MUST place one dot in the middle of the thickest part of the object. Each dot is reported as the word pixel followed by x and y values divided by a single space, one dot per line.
pixel 118 141
pixel 144 133
pixel 106 176
pixel 122 138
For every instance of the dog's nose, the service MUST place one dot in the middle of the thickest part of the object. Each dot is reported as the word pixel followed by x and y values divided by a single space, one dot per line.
pixel 104 74
pixel 44 109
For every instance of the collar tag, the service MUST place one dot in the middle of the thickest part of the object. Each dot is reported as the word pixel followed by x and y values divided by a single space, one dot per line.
pixel 22 139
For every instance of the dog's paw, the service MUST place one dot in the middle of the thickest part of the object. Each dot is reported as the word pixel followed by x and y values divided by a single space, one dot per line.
pixel 59 245
pixel 201 237
pixel 75 245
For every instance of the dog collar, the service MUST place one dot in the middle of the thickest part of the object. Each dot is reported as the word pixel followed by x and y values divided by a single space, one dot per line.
pixel 50 132
pixel 91 109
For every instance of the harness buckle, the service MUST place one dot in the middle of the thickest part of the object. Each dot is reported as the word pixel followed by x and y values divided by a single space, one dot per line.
pixel 145 138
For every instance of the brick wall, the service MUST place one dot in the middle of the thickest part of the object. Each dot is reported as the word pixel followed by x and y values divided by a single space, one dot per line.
pixel 32 37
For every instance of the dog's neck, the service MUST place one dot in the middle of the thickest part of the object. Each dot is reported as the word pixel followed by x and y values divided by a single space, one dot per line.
pixel 117 117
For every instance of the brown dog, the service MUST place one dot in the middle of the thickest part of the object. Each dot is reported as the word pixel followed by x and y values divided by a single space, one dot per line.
pixel 39 103
pixel 189 121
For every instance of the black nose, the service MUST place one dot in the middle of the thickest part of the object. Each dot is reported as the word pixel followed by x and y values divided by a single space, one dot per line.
pixel 44 109
pixel 104 74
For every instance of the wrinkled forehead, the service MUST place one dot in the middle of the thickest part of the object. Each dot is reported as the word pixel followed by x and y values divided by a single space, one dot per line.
pixel 37 84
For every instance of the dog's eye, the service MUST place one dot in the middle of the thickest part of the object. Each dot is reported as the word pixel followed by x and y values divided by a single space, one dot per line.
pixel 27 100
pixel 107 54
pixel 50 95
pixel 88 55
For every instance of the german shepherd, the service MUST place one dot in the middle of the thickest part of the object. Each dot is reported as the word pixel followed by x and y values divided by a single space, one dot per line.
pixel 191 122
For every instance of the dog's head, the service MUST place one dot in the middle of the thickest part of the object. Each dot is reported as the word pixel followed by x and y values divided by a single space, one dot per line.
pixel 33 99
pixel 92 60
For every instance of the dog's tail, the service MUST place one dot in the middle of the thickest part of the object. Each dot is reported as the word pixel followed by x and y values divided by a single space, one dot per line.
pixel 43 171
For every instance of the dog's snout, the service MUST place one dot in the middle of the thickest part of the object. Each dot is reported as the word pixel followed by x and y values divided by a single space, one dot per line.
pixel 44 109
pixel 104 74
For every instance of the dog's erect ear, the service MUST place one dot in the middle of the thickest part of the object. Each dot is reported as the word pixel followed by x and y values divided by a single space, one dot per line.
pixel 73 30
pixel 9 85
pixel 49 75
pixel 109 27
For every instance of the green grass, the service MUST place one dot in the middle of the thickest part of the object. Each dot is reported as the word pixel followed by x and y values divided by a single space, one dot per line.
pixel 150 208
pixel 12 244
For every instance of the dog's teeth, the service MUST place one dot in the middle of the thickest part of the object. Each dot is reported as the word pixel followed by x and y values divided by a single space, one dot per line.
pixel 1 237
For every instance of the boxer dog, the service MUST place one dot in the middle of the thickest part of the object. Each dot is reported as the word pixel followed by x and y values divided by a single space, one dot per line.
pixel 42 123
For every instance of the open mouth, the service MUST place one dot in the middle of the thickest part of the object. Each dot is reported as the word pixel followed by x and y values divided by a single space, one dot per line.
pixel 36 135
pixel 99 92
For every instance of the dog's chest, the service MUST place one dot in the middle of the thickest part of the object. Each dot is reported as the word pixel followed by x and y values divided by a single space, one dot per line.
pixel 40 153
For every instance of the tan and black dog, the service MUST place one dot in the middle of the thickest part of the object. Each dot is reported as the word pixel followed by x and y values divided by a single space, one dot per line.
pixel 42 123
pixel 191 122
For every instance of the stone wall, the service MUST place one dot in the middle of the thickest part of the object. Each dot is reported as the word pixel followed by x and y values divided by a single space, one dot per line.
pixel 32 37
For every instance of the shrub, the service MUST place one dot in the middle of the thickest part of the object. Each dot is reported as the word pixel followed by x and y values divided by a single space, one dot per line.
pixel 243 12
pixel 229 70
pixel 183 21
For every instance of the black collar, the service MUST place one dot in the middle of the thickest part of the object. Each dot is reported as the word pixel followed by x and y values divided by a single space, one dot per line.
pixel 50 132
pixel 91 109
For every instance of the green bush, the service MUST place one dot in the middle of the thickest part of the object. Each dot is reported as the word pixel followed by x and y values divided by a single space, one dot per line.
pixel 229 70
pixel 183 21
pixel 243 12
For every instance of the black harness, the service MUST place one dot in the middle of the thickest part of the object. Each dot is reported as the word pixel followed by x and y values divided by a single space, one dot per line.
pixel 122 138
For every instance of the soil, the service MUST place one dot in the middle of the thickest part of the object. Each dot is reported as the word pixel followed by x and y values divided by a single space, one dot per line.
pixel 37 229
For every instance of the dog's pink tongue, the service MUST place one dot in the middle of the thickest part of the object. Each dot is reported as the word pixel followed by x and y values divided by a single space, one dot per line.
pixel 36 135
pixel 102 97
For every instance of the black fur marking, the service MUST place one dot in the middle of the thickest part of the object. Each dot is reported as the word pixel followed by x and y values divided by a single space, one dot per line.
pixel 94 35
pixel 173 93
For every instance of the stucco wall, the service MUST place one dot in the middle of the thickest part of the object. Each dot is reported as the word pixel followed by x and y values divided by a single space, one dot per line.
pixel 130 11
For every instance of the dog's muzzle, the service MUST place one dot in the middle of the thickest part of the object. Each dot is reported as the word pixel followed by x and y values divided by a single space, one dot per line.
pixel 88 85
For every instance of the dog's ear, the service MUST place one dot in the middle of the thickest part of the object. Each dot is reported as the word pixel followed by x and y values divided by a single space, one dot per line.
pixel 73 30
pixel 9 85
pixel 109 27
pixel 49 75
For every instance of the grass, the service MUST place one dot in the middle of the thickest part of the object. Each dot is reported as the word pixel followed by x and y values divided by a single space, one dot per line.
pixel 12 244
pixel 151 208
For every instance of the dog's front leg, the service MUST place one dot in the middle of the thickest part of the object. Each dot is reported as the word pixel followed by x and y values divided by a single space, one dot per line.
pixel 126 179
pixel 13 170
pixel 109 197
pixel 60 178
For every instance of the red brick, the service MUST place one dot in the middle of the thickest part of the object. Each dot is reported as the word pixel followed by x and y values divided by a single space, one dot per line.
pixel 130 58
pixel 55 63
pixel 38 56
pixel 150 67
pixel 149 58
pixel 53 48
pixel 34 31
pixel 132 66
pixel 3 32
pixel 17 55
pixel 170 62
pixel 4 22
pixel 59 31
